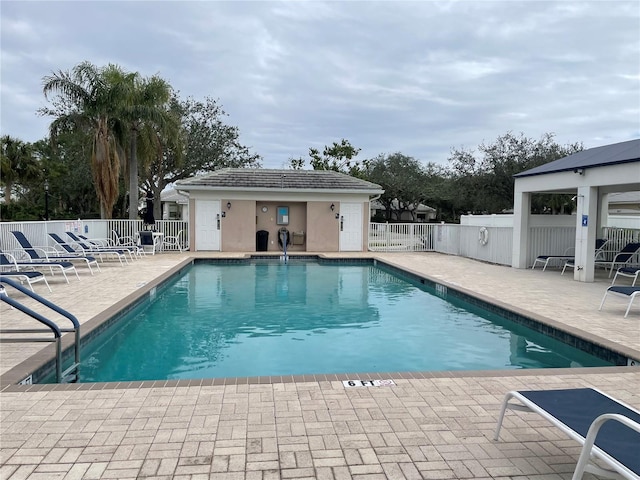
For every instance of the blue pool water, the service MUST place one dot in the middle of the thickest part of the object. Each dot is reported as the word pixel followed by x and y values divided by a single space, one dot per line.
pixel 304 318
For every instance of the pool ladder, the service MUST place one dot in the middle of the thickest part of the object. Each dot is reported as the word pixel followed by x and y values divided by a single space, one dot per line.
pixel 70 374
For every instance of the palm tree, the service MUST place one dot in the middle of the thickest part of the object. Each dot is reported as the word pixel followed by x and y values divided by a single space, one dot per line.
pixel 91 99
pixel 17 163
pixel 150 123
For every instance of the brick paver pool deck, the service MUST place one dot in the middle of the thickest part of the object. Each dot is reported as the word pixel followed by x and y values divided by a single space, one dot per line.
pixel 435 426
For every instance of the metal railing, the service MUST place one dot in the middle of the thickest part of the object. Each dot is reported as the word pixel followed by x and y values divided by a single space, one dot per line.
pixel 71 373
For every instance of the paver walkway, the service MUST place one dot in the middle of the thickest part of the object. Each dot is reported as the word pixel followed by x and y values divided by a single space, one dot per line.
pixel 438 427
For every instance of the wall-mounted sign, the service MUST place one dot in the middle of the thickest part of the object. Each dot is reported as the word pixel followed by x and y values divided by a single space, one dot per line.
pixel 283 216
pixel 585 220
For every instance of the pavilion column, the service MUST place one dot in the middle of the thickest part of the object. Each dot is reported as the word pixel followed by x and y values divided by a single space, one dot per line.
pixel 521 215
pixel 603 218
pixel 586 232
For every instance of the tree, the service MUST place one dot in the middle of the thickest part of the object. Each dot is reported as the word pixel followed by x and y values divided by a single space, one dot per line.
pixel 147 117
pixel 68 174
pixel 403 180
pixel 338 157
pixel 485 185
pixel 17 164
pixel 91 100
pixel 205 143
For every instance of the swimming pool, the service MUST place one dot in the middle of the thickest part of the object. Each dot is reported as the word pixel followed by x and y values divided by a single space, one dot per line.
pixel 268 318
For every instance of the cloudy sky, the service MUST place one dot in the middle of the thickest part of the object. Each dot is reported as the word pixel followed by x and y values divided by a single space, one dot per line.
pixel 394 76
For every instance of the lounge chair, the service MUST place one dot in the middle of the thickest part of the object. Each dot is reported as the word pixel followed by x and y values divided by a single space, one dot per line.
pixel 147 241
pixel 546 259
pixel 567 257
pixel 122 241
pixel 569 260
pixel 624 257
pixel 174 242
pixel 109 244
pixel 32 263
pixel 99 251
pixel 69 252
pixel 25 276
pixel 580 413
pixel 625 292
pixel 632 272
pixel 600 244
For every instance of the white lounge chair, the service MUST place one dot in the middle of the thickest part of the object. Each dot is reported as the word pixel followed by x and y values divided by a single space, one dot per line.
pixel 546 259
pixel 25 276
pixel 580 413
pixel 625 292
pixel 624 257
pixel 631 272
pixel 176 242
pixel 601 243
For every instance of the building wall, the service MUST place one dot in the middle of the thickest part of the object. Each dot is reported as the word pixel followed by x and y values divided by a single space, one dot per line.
pixel 310 214
pixel 268 221
pixel 322 227
pixel 238 227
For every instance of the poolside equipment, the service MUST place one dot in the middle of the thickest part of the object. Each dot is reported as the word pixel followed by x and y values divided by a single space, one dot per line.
pixel 623 257
pixel 41 262
pixel 71 373
pixel 606 428
pixel 626 292
pixel 284 239
pixel 632 272
pixel 119 253
pixel 72 252
pixel 28 276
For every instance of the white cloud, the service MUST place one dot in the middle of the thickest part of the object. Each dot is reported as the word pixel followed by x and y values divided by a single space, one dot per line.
pixel 415 77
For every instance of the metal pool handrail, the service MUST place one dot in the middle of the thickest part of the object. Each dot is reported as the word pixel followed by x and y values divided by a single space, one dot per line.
pixel 61 376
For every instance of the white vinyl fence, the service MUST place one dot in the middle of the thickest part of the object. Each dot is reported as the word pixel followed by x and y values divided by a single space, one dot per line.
pixel 37 232
pixel 496 245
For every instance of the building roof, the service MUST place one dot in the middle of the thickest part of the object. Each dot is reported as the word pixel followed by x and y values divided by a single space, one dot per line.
pixel 267 179
pixel 624 152
pixel 172 195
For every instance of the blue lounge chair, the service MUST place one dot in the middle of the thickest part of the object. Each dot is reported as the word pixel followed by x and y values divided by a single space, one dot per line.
pixel 631 272
pixel 624 257
pixel 63 266
pixel 607 429
pixel 546 259
pixel 619 291
pixel 26 276
pixel 120 254
pixel 567 258
pixel 70 252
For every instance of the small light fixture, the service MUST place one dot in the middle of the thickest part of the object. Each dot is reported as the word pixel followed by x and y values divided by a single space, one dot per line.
pixel 228 205
pixel 333 207
pixel 579 171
